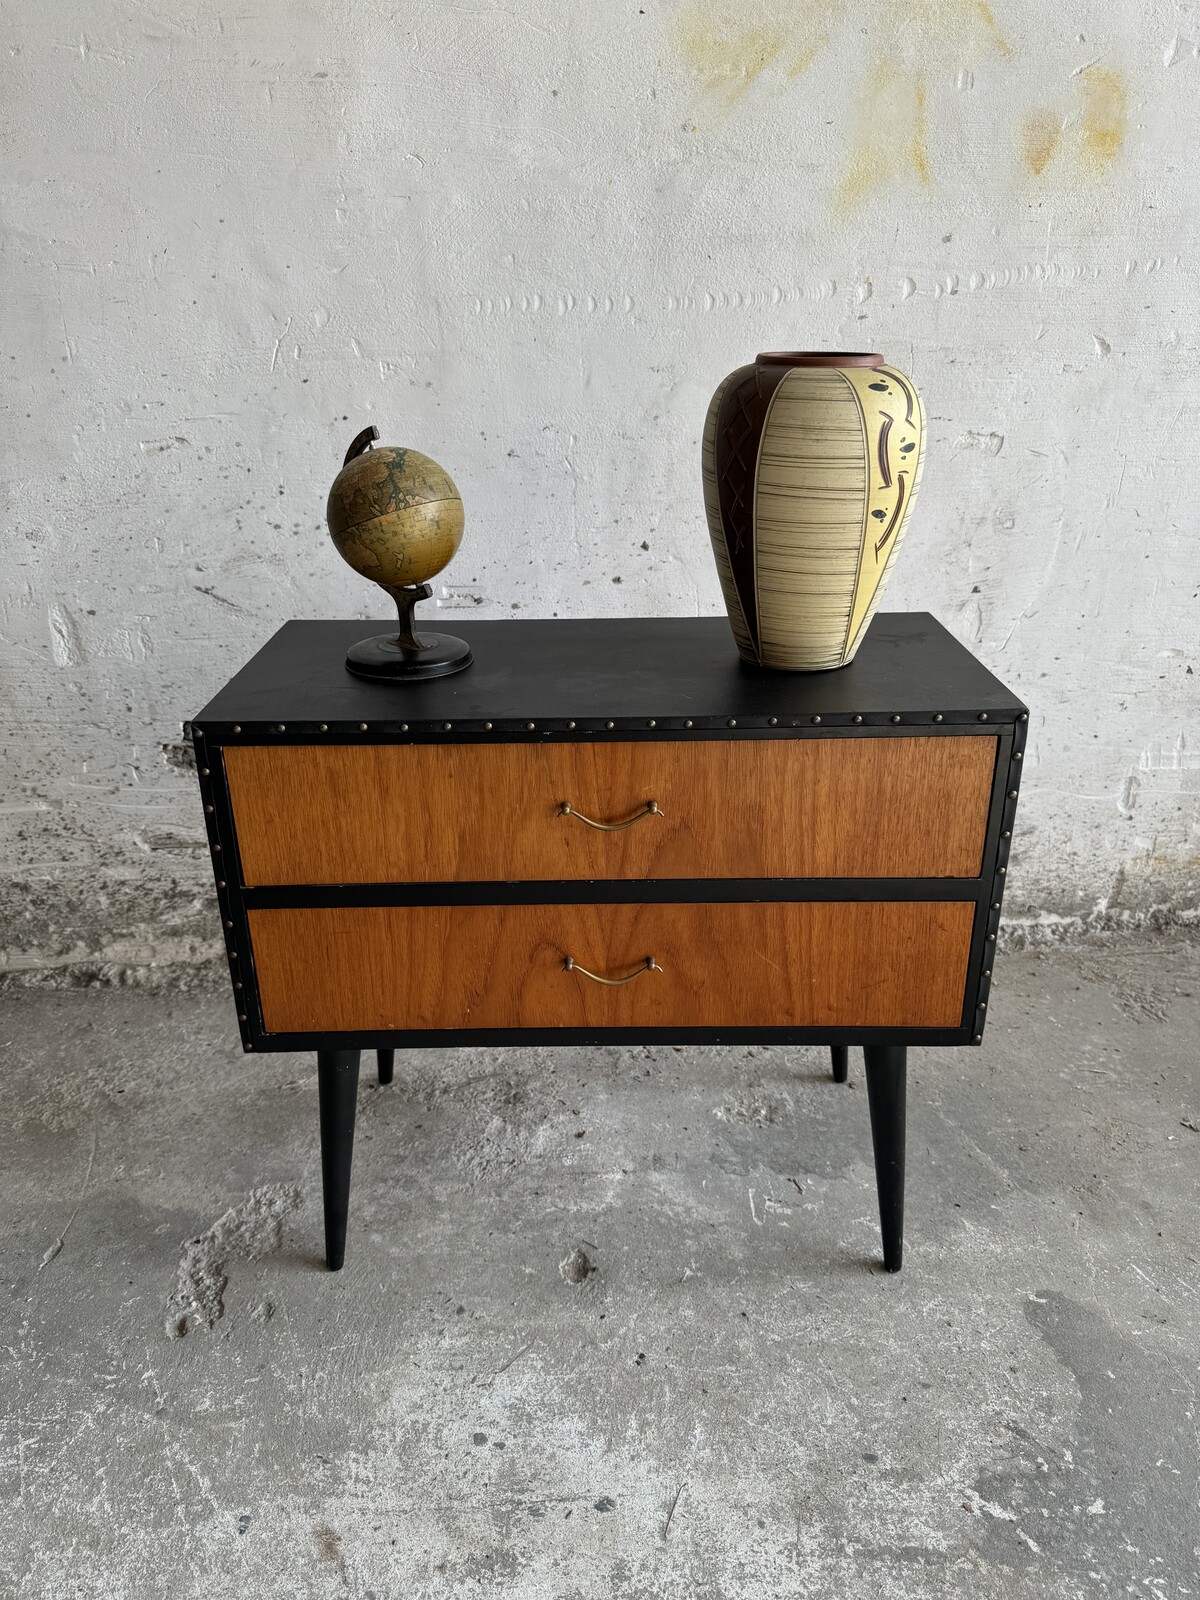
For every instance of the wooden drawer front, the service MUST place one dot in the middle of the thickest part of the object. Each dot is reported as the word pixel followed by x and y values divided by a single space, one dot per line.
pixel 895 964
pixel 764 808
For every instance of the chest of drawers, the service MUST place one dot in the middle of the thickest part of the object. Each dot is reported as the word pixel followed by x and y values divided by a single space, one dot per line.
pixel 611 831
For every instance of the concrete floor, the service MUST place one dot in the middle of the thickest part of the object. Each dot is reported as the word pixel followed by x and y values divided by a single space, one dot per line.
pixel 736 1402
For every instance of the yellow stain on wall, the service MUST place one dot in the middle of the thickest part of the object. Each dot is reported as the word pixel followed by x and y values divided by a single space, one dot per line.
pixel 727 46
pixel 1105 115
pixel 1094 137
pixel 891 140
pixel 1040 137
pixel 987 17
pixel 940 30
pixel 729 64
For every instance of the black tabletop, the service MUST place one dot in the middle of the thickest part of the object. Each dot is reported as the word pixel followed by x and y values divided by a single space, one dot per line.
pixel 628 671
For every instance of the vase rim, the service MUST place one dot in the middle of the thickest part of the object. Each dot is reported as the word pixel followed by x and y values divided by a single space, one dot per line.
pixel 819 358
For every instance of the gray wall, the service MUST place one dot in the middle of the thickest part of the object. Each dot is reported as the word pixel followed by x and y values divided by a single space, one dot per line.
pixel 529 239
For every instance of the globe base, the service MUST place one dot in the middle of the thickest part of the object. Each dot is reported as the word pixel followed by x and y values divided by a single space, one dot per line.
pixel 385 659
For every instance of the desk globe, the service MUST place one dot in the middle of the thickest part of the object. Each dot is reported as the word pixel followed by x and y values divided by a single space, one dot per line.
pixel 396 518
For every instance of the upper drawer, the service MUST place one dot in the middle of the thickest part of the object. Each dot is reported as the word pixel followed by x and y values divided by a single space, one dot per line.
pixel 856 807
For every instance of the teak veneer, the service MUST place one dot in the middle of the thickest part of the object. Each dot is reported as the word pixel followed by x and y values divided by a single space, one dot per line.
pixel 807 858
pixel 804 964
pixel 814 808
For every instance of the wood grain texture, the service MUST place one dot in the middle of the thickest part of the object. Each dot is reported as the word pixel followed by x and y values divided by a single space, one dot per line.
pixel 895 964
pixel 822 808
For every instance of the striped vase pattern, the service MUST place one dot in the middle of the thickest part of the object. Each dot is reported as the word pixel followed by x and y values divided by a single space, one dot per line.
pixel 811 463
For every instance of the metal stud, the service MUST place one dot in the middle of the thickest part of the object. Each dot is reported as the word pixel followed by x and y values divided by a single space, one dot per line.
pixel 772 722
pixel 937 716
pixel 281 728
pixel 198 733
pixel 983 1005
pixel 896 717
pixel 216 849
pixel 570 726
pixel 404 727
pixel 210 809
pixel 987 972
pixel 652 723
pixel 233 955
pixel 362 727
pixel 983 716
pixel 247 1047
pixel 1001 870
pixel 446 726
pixel 324 727
pixel 241 1016
pixel 991 938
pixel 978 1039
pixel 816 719
pixel 487 727
pixel 204 772
pixel 529 727
pixel 855 719
pixel 610 724
pixel 1006 835
pixel 732 723
pixel 237 727
pixel 1024 717
pixel 1012 794
pixel 237 986
pixel 220 883
pixel 229 924
pixel 995 905
pixel 1016 755
pixel 688 723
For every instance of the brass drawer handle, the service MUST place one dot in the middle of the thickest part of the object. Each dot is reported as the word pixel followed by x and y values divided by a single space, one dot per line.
pixel 649 965
pixel 650 809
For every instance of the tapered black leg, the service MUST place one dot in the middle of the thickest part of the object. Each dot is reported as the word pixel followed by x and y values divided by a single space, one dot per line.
pixel 337 1091
pixel 841 1062
pixel 387 1063
pixel 885 1064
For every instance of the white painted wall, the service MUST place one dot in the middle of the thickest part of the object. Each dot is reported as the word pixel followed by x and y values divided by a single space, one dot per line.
pixel 529 239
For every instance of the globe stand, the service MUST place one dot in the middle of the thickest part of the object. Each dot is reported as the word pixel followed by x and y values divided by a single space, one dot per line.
pixel 409 655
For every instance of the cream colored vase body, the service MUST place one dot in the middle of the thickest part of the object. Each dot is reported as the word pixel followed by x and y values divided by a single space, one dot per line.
pixel 811 464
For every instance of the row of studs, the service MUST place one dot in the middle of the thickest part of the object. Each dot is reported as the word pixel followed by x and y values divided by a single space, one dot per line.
pixel 237 965
pixel 569 727
pixel 1004 845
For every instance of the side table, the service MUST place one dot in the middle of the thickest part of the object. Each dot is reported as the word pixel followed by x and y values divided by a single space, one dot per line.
pixel 611 832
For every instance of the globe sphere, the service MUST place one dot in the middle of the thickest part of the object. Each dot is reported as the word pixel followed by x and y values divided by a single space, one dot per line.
pixel 395 516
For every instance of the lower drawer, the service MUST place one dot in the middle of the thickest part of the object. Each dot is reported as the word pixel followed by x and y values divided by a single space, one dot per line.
pixel 891 963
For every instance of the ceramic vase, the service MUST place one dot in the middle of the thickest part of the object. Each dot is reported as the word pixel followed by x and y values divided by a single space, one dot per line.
pixel 811 462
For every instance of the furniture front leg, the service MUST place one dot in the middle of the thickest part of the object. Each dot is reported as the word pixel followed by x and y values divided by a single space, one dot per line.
pixel 387 1064
pixel 841 1062
pixel 886 1078
pixel 337 1093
